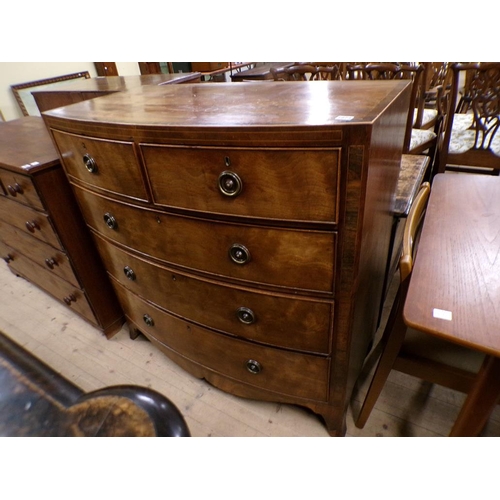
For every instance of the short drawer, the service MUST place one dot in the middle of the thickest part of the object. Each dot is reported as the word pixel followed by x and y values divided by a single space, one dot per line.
pixel 70 295
pixel 29 221
pixel 279 257
pixel 109 165
pixel 21 188
pixel 282 184
pixel 278 320
pixel 285 372
pixel 41 253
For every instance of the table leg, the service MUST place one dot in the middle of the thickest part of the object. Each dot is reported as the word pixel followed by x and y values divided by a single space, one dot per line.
pixel 480 401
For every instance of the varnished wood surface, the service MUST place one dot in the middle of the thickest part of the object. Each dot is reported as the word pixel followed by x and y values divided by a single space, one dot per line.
pixel 300 256
pixel 315 104
pixel 36 202
pixel 74 348
pixel 457 268
pixel 18 138
pixel 72 92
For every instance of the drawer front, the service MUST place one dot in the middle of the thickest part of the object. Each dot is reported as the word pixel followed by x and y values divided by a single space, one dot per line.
pixel 109 165
pixel 70 295
pixel 300 375
pixel 21 188
pixel 299 185
pixel 276 320
pixel 29 221
pixel 41 253
pixel 283 258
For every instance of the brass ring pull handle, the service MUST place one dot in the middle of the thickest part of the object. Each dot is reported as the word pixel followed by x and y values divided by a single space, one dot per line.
pixel 51 263
pixel 90 163
pixel 15 189
pixel 148 320
pixel 230 184
pixel 129 273
pixel 254 366
pixel 8 258
pixel 110 221
pixel 239 254
pixel 32 225
pixel 70 298
pixel 245 315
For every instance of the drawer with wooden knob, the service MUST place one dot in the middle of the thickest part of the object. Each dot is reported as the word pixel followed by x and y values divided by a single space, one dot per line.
pixel 291 184
pixel 281 320
pixel 261 255
pixel 108 165
pixel 20 188
pixel 279 370
pixel 30 221
pixel 38 251
pixel 70 295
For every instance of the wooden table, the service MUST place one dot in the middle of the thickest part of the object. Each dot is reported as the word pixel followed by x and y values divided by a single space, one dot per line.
pixel 454 291
pixel 262 72
pixel 71 92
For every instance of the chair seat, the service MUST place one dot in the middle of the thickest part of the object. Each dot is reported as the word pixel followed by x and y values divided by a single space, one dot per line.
pixel 420 137
pixel 462 141
pixel 433 348
pixel 462 121
pixel 429 116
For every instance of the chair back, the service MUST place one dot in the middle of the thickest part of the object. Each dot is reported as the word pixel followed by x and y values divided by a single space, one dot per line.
pixel 412 230
pixel 471 137
pixel 297 72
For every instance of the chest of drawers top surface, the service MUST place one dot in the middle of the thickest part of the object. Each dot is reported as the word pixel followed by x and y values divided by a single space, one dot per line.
pixel 301 104
pixel 25 145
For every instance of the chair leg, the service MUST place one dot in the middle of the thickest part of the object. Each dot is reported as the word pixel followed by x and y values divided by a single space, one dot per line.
pixel 392 340
pixel 480 401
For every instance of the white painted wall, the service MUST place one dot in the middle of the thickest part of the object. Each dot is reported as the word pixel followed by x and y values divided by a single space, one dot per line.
pixel 12 73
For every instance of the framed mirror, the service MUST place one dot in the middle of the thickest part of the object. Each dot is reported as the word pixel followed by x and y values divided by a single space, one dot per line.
pixel 22 91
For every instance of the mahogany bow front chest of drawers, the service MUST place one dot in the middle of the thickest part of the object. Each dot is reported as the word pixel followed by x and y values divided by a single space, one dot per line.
pixel 43 237
pixel 245 227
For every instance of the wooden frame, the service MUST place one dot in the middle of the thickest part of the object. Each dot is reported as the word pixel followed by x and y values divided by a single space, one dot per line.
pixel 24 98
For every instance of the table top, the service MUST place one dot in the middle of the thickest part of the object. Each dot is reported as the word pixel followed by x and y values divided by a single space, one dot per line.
pixel 308 104
pixel 454 290
pixel 118 83
pixel 25 145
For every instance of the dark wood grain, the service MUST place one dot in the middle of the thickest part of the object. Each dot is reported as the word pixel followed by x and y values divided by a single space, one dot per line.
pixel 319 162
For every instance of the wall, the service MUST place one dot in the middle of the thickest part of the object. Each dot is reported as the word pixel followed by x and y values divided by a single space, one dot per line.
pixel 12 73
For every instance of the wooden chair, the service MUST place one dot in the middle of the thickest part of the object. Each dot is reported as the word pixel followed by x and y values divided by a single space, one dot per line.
pixel 410 351
pixel 297 72
pixel 418 140
pixel 470 141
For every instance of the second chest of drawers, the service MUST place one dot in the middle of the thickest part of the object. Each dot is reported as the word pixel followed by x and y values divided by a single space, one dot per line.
pixel 42 235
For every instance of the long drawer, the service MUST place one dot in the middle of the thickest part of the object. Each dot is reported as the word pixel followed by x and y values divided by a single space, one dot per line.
pixel 72 296
pixel 279 320
pixel 21 188
pixel 29 221
pixel 280 257
pixel 44 255
pixel 291 184
pixel 300 375
pixel 109 165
